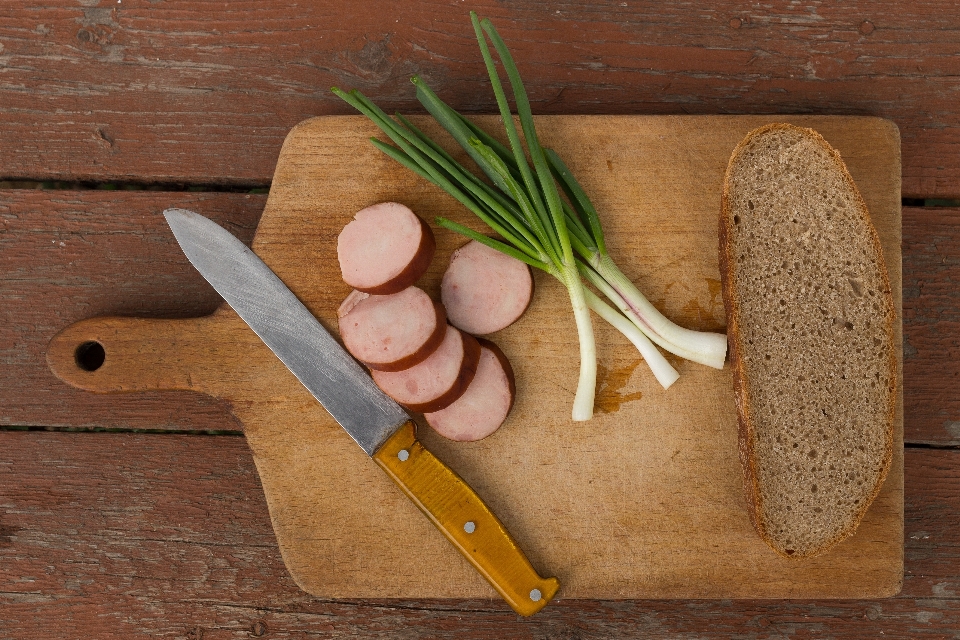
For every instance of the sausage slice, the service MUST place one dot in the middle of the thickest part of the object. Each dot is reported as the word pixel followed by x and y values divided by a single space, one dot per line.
pixel 384 249
pixel 484 406
pixel 484 290
pixel 394 332
pixel 439 380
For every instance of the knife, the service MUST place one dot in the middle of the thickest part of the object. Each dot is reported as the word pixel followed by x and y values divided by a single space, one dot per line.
pixel 377 423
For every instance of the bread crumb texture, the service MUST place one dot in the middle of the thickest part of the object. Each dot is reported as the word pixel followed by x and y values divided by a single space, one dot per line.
pixel 815 338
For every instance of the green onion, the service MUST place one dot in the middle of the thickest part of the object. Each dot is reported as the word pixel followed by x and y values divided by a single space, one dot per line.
pixel 699 346
pixel 523 206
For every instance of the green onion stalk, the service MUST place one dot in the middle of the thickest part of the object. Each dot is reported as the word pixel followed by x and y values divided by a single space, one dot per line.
pixel 699 346
pixel 523 206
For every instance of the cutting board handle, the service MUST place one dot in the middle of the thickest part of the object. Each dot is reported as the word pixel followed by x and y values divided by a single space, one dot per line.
pixel 117 354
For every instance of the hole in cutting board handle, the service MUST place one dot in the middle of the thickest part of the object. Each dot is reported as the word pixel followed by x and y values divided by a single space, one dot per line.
pixel 90 355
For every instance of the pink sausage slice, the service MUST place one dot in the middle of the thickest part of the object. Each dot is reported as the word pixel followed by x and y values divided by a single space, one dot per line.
pixel 384 249
pixel 484 290
pixel 439 380
pixel 485 405
pixel 393 332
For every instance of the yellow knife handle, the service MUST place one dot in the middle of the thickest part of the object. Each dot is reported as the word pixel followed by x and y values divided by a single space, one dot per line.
pixel 465 520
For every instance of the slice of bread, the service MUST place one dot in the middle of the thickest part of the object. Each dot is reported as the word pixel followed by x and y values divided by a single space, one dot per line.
pixel 810 321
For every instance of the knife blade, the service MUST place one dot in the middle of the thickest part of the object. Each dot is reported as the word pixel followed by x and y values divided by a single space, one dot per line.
pixel 377 423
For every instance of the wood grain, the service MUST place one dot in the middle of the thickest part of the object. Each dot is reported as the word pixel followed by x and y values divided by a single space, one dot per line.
pixel 174 93
pixel 164 536
pixel 120 535
pixel 931 316
pixel 450 504
pixel 335 536
pixel 118 258
pixel 69 255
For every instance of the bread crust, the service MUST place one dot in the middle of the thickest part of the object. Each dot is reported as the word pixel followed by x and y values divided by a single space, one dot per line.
pixel 742 385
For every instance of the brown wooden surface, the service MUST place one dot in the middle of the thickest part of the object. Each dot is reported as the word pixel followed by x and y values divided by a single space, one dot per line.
pixel 125 535
pixel 118 258
pixel 181 92
pixel 69 255
pixel 553 482
pixel 144 535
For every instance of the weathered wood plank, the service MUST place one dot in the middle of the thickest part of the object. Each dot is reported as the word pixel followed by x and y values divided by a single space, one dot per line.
pixel 931 325
pixel 118 258
pixel 134 535
pixel 175 92
pixel 70 255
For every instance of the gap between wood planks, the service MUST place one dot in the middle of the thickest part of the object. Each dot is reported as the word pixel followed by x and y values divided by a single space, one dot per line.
pixel 59 185
pixel 234 434
pixel 182 432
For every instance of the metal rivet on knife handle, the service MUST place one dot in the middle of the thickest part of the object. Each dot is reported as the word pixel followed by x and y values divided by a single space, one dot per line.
pixel 449 503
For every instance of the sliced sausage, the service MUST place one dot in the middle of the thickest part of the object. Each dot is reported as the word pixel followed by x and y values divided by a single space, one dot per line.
pixel 484 290
pixel 439 380
pixel 393 332
pixel 384 249
pixel 484 406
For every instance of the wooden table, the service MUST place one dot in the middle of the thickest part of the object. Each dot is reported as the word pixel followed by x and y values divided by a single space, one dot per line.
pixel 142 516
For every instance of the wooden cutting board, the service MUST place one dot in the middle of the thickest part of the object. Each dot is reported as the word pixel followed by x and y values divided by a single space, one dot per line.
pixel 643 501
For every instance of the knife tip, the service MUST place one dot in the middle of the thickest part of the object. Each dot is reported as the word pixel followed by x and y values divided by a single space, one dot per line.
pixel 178 213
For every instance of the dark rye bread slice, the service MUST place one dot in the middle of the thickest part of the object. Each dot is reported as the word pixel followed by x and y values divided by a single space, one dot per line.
pixel 810 321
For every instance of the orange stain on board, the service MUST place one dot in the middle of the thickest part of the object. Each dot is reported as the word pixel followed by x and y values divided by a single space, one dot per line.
pixel 699 318
pixel 716 291
pixel 610 384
